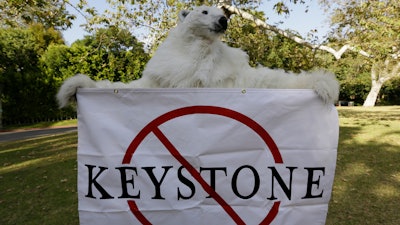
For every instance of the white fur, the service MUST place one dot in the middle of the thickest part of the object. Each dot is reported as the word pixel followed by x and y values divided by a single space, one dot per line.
pixel 192 56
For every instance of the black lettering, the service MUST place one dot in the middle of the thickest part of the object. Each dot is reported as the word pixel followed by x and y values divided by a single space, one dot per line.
pixel 256 182
pixel 125 181
pixel 156 183
pixel 188 183
pixel 92 181
pixel 311 182
pixel 212 175
pixel 287 190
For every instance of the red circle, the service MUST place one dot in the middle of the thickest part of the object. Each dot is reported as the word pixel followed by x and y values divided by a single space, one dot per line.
pixel 153 127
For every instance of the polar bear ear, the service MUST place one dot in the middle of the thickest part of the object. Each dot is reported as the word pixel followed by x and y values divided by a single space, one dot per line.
pixel 183 14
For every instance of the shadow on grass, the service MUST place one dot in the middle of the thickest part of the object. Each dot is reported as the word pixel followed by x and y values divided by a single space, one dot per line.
pixel 367 182
pixel 38 180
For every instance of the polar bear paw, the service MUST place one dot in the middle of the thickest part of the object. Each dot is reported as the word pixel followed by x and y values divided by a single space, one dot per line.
pixel 326 86
pixel 68 89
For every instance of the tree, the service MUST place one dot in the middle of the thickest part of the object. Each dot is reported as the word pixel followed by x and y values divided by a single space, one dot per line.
pixel 361 27
pixel 110 53
pixel 50 13
pixel 26 91
pixel 272 50
pixel 353 73
pixel 373 26
pixel 390 93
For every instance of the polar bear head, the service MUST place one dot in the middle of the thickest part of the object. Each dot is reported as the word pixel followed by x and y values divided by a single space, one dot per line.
pixel 204 21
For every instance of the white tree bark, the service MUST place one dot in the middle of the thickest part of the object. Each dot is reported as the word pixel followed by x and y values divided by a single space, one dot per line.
pixel 372 96
pixel 379 75
pixel 376 85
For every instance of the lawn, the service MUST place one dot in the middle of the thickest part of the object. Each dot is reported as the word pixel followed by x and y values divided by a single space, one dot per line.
pixel 38 181
pixel 38 176
pixel 367 181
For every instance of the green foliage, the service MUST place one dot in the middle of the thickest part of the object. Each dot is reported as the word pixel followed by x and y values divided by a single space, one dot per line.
pixel 373 26
pixel 390 93
pixel 56 60
pixel 281 7
pixel 354 75
pixel 267 48
pixel 27 92
pixel 50 13
pixel 34 62
pixel 111 54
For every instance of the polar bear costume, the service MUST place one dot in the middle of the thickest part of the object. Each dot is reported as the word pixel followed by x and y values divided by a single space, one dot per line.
pixel 193 56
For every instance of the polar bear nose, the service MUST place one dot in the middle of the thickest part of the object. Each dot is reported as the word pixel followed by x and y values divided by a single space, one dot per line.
pixel 223 21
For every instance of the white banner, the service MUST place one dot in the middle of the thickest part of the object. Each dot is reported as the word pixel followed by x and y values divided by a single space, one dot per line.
pixel 205 156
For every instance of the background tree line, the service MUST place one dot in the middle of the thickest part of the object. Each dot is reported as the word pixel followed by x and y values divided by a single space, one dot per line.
pixel 34 59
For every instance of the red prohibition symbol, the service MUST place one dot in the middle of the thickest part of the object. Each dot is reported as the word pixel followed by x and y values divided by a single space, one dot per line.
pixel 153 127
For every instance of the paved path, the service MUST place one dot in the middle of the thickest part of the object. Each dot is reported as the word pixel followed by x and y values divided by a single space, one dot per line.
pixel 20 135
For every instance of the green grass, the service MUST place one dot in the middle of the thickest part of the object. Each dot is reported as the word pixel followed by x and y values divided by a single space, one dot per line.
pixel 38 176
pixel 38 181
pixel 367 182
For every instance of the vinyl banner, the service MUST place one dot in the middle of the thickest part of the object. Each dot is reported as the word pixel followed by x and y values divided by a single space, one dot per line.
pixel 205 156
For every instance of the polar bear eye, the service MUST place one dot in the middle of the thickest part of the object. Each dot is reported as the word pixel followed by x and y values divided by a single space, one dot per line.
pixel 205 12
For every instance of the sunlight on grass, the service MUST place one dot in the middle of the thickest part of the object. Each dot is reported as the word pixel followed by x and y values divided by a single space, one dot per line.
pixel 356 169
pixel 348 175
pixel 396 177
pixel 30 144
pixel 386 191
pixel 22 165
pixel 35 162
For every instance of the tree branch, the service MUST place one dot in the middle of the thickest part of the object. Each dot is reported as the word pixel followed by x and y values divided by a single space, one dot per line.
pixel 76 9
pixel 245 15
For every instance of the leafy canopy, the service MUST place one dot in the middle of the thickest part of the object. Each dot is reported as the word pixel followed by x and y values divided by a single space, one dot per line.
pixel 50 13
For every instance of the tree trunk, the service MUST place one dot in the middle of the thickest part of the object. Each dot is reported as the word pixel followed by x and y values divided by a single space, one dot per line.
pixel 379 75
pixel 373 93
